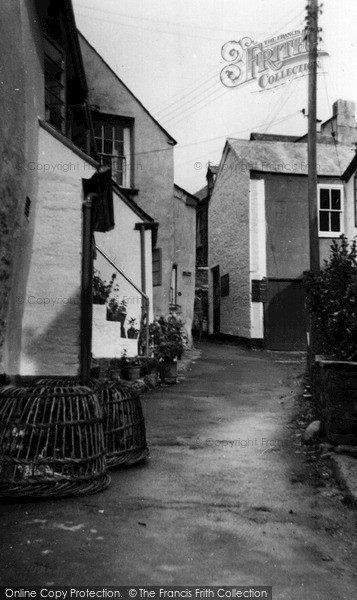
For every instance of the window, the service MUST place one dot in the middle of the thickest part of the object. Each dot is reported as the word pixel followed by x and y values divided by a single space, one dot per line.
pixel 156 266
pixel 55 93
pixel 113 145
pixel 330 209
pixel 173 287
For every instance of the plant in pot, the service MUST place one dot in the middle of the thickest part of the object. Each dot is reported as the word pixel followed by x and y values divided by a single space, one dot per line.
pixel 102 289
pixel 115 368
pixel 116 311
pixel 132 331
pixel 332 303
pixel 130 366
pixel 168 338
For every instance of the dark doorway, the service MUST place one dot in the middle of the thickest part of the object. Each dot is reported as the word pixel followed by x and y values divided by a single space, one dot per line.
pixel 216 300
pixel 285 319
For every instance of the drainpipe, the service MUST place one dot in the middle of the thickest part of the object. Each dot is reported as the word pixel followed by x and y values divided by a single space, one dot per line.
pixel 86 296
pixel 143 265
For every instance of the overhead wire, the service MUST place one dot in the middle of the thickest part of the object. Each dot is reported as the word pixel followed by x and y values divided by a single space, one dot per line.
pixel 155 20
pixel 242 131
pixel 183 97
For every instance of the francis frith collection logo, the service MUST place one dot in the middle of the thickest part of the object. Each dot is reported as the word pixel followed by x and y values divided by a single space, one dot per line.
pixel 269 63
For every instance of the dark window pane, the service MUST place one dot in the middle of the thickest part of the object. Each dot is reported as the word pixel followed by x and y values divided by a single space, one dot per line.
pixel 324 220
pixel 119 133
pixel 119 148
pixel 97 129
pixel 336 199
pixel 324 198
pixel 108 147
pixel 54 85
pixel 52 52
pixel 335 221
pixel 99 144
pixel 106 160
pixel 108 131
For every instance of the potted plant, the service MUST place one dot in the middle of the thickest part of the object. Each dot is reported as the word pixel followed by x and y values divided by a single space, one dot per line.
pixel 149 369
pixel 116 310
pixel 102 289
pixel 130 367
pixel 132 332
pixel 332 302
pixel 115 368
pixel 168 338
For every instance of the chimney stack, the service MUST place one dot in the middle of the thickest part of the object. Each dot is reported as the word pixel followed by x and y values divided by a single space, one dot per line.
pixel 344 121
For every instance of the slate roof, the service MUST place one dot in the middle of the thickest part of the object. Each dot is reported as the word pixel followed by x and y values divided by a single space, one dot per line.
pixel 273 137
pixel 290 157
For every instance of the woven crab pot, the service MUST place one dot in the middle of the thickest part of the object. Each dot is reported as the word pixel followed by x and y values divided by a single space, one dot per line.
pixel 51 442
pixel 124 425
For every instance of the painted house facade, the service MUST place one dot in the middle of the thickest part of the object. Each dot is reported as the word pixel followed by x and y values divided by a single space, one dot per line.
pixel 140 153
pixel 259 233
pixel 182 289
pixel 55 195
pixel 130 249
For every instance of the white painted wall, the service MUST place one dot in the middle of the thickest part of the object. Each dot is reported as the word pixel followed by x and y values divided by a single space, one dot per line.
pixel 122 245
pixel 257 251
pixel 52 307
pixel 106 340
pixel 349 209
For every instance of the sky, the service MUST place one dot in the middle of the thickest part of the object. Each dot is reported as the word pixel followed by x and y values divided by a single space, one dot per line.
pixel 169 55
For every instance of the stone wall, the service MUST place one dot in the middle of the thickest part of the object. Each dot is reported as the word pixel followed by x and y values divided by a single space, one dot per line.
pixel 21 103
pixel 228 246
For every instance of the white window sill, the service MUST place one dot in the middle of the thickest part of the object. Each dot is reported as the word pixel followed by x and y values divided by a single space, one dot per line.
pixel 330 234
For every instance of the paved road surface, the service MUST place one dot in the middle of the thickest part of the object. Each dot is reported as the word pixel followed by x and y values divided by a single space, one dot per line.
pixel 227 498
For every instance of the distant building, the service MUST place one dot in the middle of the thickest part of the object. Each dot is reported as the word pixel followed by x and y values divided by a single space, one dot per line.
pixel 258 230
pixel 140 153
pixel 203 196
pixel 182 291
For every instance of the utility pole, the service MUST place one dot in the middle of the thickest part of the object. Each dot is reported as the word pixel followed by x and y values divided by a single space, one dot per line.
pixel 312 37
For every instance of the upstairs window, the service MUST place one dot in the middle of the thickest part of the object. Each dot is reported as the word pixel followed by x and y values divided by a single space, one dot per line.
pixel 156 267
pixel 113 146
pixel 55 92
pixel 330 210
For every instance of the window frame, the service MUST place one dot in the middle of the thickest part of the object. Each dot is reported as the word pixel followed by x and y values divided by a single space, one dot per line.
pixel 48 39
pixel 103 119
pixel 157 281
pixel 330 186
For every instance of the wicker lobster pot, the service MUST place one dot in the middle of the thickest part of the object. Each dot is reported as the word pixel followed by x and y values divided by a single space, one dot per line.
pixel 51 442
pixel 124 425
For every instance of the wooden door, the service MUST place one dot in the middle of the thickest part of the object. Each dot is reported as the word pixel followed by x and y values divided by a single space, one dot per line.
pixel 285 318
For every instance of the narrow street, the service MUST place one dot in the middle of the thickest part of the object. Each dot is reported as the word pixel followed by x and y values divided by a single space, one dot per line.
pixel 228 497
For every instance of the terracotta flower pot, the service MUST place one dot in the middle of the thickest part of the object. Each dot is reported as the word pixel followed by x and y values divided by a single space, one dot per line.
pixel 131 372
